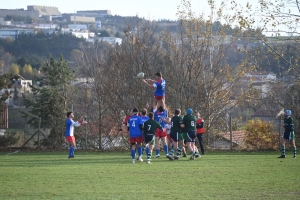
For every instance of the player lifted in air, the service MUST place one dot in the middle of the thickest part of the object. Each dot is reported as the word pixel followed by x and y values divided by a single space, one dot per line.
pixel 136 138
pixel 159 94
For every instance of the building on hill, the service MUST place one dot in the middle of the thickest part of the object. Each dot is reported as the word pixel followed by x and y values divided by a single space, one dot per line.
pixel 97 14
pixel 222 140
pixel 20 12
pixel 111 40
pixel 12 33
pixel 44 10
pixel 73 18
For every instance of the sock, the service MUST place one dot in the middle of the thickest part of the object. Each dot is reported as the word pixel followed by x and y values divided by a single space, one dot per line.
pixel 143 150
pixel 73 150
pixel 70 151
pixel 166 149
pixel 140 151
pixel 149 156
pixel 157 151
pixel 283 150
pixel 197 153
pixel 295 151
pixel 147 150
pixel 179 152
pixel 171 152
pixel 133 154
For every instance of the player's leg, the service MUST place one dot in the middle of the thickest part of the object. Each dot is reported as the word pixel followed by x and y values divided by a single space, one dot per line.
pixel 139 141
pixel 133 147
pixel 293 144
pixel 154 103
pixel 283 140
pixel 157 144
pixel 72 143
pixel 200 139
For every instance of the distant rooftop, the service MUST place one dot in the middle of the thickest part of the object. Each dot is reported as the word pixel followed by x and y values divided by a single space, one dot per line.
pixel 44 10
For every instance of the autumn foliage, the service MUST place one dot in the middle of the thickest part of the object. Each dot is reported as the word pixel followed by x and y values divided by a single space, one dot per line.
pixel 260 135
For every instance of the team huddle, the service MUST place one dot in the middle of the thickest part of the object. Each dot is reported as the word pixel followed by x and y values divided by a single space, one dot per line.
pixel 156 126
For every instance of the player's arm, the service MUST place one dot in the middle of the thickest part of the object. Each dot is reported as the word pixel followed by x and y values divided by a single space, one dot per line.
pixel 150 80
pixel 181 123
pixel 149 85
pixel 165 120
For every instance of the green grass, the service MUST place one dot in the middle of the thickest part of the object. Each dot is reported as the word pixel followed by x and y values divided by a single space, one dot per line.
pixel 113 176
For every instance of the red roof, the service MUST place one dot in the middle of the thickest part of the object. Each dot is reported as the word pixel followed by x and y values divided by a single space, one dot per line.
pixel 237 136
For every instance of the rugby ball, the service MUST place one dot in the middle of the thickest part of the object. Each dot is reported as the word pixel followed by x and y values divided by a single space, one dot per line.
pixel 140 75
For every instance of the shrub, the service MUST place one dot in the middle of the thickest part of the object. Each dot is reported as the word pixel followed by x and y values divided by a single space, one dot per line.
pixel 260 135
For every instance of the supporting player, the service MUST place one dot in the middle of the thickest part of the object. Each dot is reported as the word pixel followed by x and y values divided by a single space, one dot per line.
pixel 288 133
pixel 150 127
pixel 189 123
pixel 144 118
pixel 159 93
pixel 136 138
pixel 160 114
pixel 70 124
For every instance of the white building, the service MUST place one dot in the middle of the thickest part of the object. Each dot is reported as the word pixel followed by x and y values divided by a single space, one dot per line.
pixel 111 40
pixel 262 76
pixel 12 33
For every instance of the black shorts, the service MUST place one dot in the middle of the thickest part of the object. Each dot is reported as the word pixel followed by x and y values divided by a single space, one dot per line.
pixel 176 136
pixel 149 138
pixel 289 135
pixel 191 136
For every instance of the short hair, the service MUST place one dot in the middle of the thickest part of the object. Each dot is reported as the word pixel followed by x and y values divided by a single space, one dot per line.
pixel 144 111
pixel 68 114
pixel 177 111
pixel 161 109
pixel 150 115
pixel 158 74
pixel 135 110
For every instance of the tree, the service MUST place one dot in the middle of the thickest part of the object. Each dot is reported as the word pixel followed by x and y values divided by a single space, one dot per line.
pixel 14 69
pixel 51 100
pixel 27 71
pixel 104 33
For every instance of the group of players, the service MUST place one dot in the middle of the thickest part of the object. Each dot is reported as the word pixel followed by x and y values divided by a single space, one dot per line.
pixel 156 126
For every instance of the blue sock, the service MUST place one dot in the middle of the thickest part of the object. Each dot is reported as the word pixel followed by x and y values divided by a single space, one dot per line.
pixel 70 151
pixel 147 150
pixel 133 154
pixel 157 151
pixel 140 151
pixel 166 149
pixel 73 150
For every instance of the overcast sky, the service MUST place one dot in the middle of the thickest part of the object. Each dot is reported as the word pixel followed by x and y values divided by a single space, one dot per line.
pixel 150 9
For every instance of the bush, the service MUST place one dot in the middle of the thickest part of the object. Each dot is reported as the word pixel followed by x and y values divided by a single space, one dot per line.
pixel 260 135
pixel 9 139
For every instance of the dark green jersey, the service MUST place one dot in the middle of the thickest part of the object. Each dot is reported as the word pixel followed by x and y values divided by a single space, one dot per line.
pixel 189 122
pixel 150 126
pixel 175 124
pixel 289 123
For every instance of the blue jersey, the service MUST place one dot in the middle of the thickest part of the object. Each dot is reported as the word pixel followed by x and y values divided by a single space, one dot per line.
pixel 70 127
pixel 144 118
pixel 160 87
pixel 158 115
pixel 134 126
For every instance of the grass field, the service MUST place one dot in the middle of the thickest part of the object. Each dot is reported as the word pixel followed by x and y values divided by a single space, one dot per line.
pixel 232 175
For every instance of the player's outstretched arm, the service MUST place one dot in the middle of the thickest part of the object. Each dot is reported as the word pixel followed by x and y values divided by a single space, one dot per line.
pixel 149 85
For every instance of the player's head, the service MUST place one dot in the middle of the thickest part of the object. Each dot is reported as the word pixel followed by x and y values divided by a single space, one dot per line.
pixel 135 111
pixel 288 113
pixel 158 75
pixel 177 112
pixel 150 115
pixel 189 111
pixel 198 114
pixel 70 115
pixel 144 111
pixel 160 108
pixel 168 119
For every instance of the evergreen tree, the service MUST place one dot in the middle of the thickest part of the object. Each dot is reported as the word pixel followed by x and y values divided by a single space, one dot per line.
pixel 50 102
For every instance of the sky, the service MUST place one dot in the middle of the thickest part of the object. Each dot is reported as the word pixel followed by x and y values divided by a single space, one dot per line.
pixel 149 9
